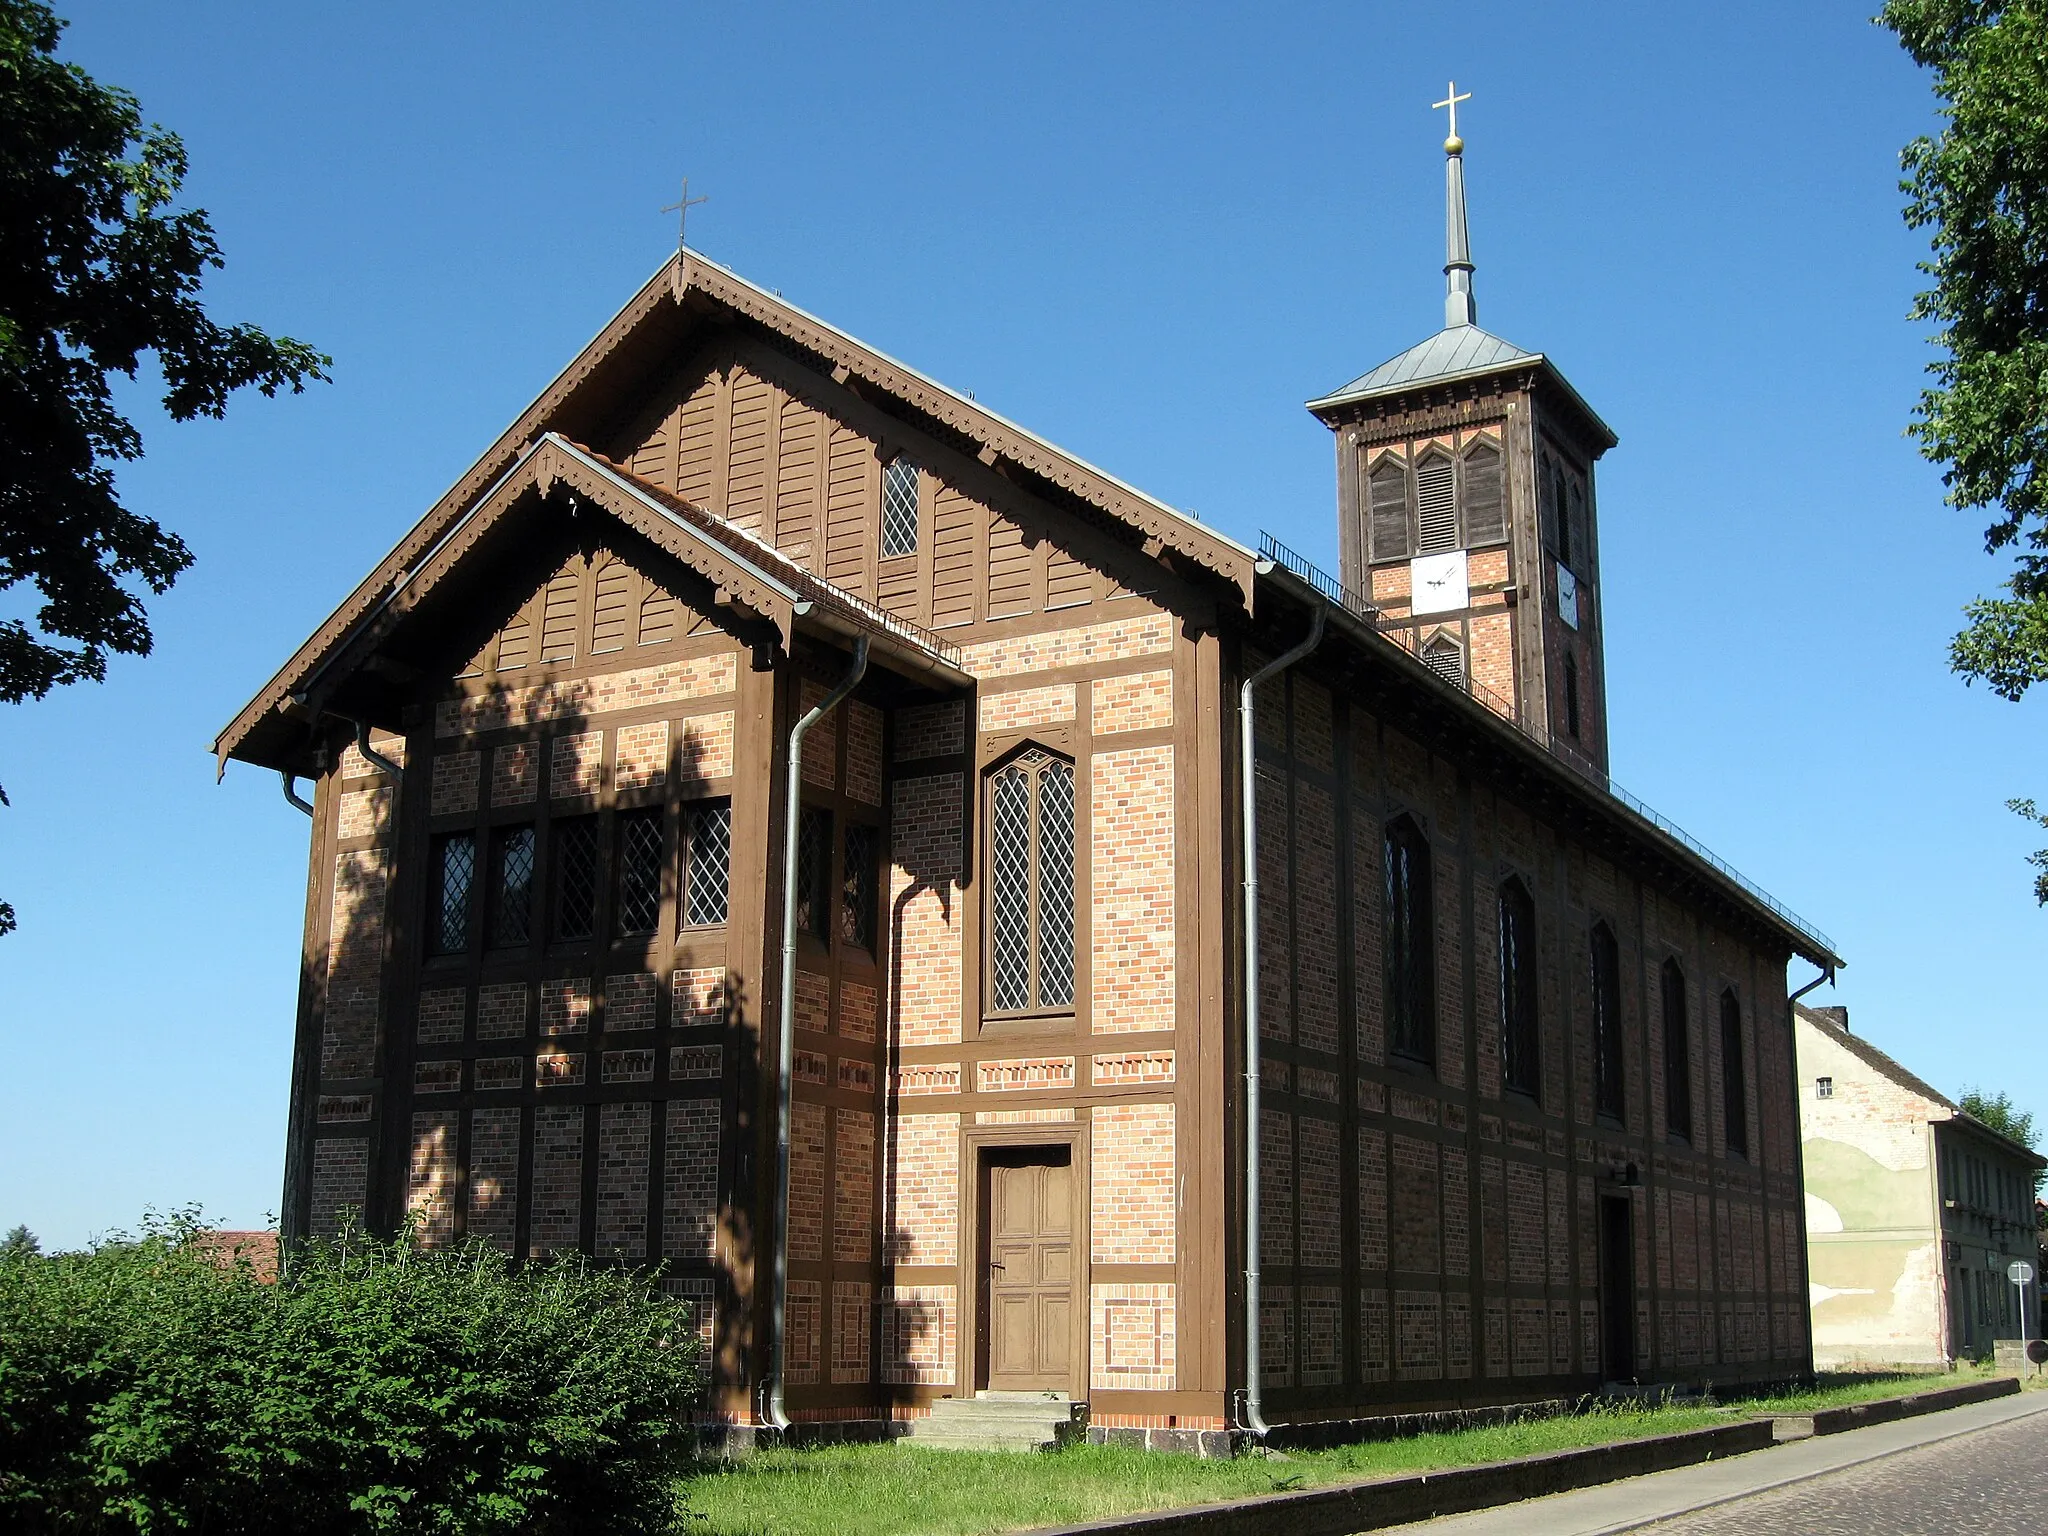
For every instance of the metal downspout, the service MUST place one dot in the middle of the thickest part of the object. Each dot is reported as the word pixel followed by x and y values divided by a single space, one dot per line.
pixel 1827 975
pixel 292 794
pixel 778 1293
pixel 372 756
pixel 1248 815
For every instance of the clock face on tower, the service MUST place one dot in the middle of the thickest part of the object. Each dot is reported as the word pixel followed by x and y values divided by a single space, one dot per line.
pixel 1437 583
pixel 1567 595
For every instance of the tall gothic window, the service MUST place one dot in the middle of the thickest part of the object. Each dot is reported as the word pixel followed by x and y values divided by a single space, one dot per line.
pixel 1410 949
pixel 1520 1037
pixel 1734 1084
pixel 899 507
pixel 1607 1026
pixel 1677 1053
pixel 814 873
pixel 511 886
pixel 858 887
pixel 572 849
pixel 1031 884
pixel 707 862
pixel 637 908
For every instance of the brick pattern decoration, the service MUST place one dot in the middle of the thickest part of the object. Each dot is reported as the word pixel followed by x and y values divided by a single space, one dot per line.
pixel 497 709
pixel 456 775
pixel 863 752
pixel 920 1334
pixel 437 1019
pixel 804 1333
pixel 1322 1336
pixel 515 774
pixel 858 1003
pixel 353 765
pixel 640 756
pixel 1024 1074
pixel 931 730
pixel 1132 1198
pixel 688 1063
pixel 853 1185
pixel 355 964
pixel 1137 701
pixel 689 1219
pixel 432 1177
pixel 925 906
pixel 1089 645
pixel 806 1181
pixel 1026 707
pixel 365 813
pixel 925 1079
pixel 852 1323
pixel 437 1077
pixel 628 1002
pixel 701 1297
pixel 707 747
pixel 624 1148
pixel 1132 1338
pixel 493 1191
pixel 697 996
pixel 558 1069
pixel 576 766
pixel 501 1009
pixel 565 1007
pixel 555 1205
pixel 1132 862
pixel 1123 1069
pixel 821 742
pixel 923 1218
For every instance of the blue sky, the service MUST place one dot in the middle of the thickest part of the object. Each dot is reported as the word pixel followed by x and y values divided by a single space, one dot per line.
pixel 1149 233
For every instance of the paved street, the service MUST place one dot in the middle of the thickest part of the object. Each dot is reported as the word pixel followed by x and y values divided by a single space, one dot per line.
pixel 1988 1484
pixel 1974 1470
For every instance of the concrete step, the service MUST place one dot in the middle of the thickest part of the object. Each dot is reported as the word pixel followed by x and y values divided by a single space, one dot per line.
pixel 1001 1421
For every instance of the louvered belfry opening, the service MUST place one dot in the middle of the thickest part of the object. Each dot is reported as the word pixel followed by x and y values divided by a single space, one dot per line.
pixel 1484 505
pixel 1436 503
pixel 1031 884
pixel 1387 490
pixel 1443 657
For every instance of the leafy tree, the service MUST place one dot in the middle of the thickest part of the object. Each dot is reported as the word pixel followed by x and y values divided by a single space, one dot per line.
pixel 1998 1111
pixel 20 1242
pixel 1981 187
pixel 96 269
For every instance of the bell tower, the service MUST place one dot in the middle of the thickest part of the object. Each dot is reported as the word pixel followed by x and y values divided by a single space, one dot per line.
pixel 1466 513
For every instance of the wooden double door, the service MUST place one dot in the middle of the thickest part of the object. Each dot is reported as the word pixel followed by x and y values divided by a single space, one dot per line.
pixel 1030 1257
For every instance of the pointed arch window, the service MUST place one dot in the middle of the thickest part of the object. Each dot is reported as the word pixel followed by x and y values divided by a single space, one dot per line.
pixel 1520 1033
pixel 1484 507
pixel 1387 499
pixel 1734 1081
pixel 1607 1025
pixel 1410 948
pixel 899 507
pixel 1443 656
pixel 1030 817
pixel 1677 1053
pixel 1436 506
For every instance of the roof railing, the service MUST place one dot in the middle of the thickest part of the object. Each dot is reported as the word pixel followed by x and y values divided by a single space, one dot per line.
pixel 1345 597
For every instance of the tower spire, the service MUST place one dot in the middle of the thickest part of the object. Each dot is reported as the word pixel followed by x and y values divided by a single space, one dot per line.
pixel 1459 308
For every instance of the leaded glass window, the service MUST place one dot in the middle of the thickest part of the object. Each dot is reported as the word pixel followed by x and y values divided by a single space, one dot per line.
pixel 454 892
pixel 1520 1039
pixel 1410 951
pixel 1677 1053
pixel 1607 1026
pixel 639 904
pixel 707 862
pixel 1734 1084
pixel 573 848
pixel 899 507
pixel 511 886
pixel 814 873
pixel 1031 884
pixel 857 888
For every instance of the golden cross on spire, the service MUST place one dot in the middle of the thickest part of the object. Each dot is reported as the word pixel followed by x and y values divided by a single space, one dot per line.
pixel 682 209
pixel 1451 100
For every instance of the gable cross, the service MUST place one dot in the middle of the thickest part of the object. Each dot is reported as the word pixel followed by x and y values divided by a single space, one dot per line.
pixel 1451 100
pixel 681 209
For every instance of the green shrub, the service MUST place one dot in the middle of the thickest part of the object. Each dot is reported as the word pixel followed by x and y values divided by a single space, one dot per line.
pixel 378 1387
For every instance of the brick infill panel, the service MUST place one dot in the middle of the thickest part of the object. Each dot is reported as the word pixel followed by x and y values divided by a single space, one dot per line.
pixel 1027 707
pixel 1115 1070
pixel 695 678
pixel 911 1082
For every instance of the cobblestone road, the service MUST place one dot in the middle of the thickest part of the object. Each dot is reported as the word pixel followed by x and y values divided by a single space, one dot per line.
pixel 1990 1483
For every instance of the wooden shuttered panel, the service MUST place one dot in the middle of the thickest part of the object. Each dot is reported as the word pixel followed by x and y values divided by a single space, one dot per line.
pixel 796 481
pixel 1068 582
pixel 697 444
pixel 515 643
pixel 848 473
pixel 1436 507
pixel 1485 505
pixel 657 617
pixel 1012 565
pixel 1387 496
pixel 650 460
pixel 954 521
pixel 746 481
pixel 614 606
pixel 558 617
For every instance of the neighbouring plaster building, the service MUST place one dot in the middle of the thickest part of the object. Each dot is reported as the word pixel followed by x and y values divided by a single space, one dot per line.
pixel 1913 1209
pixel 1524 1059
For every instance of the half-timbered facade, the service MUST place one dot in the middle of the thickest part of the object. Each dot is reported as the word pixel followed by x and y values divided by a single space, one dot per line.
pixel 542 995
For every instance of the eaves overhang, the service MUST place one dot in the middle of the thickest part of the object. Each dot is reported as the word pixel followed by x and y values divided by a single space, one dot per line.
pixel 1327 406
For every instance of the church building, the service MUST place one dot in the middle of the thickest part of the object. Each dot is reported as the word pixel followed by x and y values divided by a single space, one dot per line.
pixel 778 820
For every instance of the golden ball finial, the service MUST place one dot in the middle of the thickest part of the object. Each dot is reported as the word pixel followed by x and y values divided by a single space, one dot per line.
pixel 1454 145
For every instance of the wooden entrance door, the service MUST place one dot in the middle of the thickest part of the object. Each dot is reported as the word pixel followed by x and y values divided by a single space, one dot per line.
pixel 1028 1269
